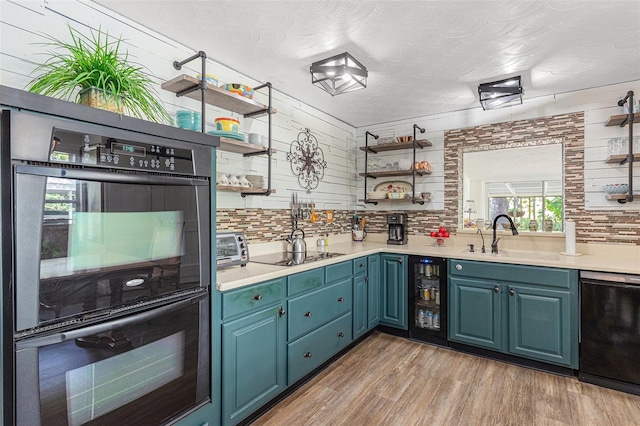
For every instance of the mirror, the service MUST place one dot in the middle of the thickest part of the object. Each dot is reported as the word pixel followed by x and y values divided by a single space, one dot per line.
pixel 523 182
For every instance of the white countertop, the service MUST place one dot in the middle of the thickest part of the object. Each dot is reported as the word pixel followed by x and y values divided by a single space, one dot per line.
pixel 620 261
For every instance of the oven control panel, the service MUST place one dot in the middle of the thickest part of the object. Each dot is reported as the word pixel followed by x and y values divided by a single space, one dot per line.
pixel 82 148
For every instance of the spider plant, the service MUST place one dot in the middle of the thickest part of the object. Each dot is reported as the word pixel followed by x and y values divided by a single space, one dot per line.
pixel 96 61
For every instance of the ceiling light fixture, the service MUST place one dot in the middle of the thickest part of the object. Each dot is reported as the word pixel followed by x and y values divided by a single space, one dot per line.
pixel 339 74
pixel 500 93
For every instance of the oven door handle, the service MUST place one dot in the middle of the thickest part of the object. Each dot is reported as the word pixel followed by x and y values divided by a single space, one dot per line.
pixel 38 342
pixel 104 176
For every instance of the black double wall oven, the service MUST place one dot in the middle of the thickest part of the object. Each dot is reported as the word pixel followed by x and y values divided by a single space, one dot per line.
pixel 111 273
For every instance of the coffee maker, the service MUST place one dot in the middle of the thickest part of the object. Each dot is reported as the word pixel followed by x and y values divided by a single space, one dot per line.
pixel 397 228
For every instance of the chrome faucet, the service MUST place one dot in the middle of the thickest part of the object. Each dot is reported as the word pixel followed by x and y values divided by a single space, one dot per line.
pixel 482 236
pixel 494 243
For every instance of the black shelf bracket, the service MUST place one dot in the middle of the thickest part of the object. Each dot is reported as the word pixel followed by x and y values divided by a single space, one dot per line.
pixel 366 163
pixel 269 151
pixel 413 164
pixel 629 160
pixel 202 86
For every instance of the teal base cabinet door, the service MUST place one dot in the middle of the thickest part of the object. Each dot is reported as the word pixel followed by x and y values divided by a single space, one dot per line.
pixel 539 324
pixel 253 362
pixel 394 292
pixel 360 292
pixel 475 313
pixel 373 296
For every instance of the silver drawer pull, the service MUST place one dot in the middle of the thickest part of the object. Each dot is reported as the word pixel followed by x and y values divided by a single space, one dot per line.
pixel 307 314
pixel 340 299
pixel 257 297
pixel 307 355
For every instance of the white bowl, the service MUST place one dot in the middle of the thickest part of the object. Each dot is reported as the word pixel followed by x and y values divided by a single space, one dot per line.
pixel 376 195
pixel 616 188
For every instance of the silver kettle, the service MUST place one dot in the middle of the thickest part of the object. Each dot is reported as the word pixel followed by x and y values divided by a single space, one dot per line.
pixel 298 245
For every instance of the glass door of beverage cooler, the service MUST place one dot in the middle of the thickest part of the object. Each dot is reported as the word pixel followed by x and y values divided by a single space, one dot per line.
pixel 428 299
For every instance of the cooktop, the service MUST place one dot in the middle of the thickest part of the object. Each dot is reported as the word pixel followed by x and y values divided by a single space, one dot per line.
pixel 287 259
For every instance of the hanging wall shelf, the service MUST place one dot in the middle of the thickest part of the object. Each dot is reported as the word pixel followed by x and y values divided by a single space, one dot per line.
pixel 200 90
pixel 622 120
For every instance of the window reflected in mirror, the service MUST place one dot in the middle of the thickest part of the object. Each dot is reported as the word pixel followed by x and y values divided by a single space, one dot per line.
pixel 524 183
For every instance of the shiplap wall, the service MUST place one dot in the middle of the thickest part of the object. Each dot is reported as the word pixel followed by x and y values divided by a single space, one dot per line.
pixel 24 23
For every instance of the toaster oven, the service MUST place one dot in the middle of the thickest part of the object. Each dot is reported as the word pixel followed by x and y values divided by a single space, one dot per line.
pixel 231 249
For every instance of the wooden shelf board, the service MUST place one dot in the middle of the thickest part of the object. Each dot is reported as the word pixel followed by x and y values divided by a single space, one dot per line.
pixel 229 188
pixel 397 146
pixel 621 120
pixel 391 200
pixel 617 159
pixel 238 147
pixel 393 173
pixel 216 96
pixel 616 197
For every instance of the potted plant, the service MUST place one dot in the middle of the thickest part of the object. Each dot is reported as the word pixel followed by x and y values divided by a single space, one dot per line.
pixel 104 76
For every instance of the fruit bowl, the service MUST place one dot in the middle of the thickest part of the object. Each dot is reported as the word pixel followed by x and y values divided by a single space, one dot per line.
pixel 240 89
pixel 616 188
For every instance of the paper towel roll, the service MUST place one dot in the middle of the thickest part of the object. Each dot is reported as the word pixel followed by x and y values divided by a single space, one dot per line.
pixel 570 237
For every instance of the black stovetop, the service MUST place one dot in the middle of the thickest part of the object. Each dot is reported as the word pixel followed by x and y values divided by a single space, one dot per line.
pixel 287 259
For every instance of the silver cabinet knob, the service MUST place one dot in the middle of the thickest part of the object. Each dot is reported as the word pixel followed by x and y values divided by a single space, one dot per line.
pixel 459 267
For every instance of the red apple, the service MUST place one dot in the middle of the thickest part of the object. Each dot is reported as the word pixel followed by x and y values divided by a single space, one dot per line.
pixel 432 234
pixel 445 234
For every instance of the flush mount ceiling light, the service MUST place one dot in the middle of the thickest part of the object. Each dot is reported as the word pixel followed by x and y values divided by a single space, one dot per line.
pixel 500 93
pixel 339 74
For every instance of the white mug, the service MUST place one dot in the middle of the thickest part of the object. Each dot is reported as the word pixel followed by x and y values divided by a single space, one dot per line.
pixel 234 181
pixel 255 138
pixel 245 182
pixel 223 180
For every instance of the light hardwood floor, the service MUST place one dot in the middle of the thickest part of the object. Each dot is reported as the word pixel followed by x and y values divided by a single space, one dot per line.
pixel 387 380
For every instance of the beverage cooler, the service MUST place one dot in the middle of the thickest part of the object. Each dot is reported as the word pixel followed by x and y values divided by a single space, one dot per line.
pixel 428 299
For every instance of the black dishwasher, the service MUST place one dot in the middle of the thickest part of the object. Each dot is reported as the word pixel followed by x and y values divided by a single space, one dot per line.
pixel 610 330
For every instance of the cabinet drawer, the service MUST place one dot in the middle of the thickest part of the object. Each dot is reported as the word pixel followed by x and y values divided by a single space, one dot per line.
pixel 359 266
pixel 338 272
pixel 305 281
pixel 551 277
pixel 312 310
pixel 309 352
pixel 252 298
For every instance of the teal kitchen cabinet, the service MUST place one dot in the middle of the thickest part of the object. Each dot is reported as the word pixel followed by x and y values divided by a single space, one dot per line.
pixel 525 311
pixel 475 312
pixel 373 287
pixel 394 291
pixel 253 348
pixel 366 294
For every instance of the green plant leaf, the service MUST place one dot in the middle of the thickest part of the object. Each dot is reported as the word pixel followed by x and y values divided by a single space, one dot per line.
pixel 96 61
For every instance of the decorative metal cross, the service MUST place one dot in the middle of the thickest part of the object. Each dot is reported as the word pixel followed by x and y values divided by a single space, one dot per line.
pixel 307 160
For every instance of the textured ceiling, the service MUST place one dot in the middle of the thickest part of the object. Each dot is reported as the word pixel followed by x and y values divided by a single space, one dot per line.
pixel 423 57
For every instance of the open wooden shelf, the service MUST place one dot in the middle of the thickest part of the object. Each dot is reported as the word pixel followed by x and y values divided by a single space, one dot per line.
pixel 621 120
pixel 420 143
pixel 229 188
pixel 616 197
pixel 392 173
pixel 238 147
pixel 617 159
pixel 392 200
pixel 216 96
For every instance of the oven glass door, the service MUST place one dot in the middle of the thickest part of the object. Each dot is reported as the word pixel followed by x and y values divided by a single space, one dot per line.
pixel 143 369
pixel 105 241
